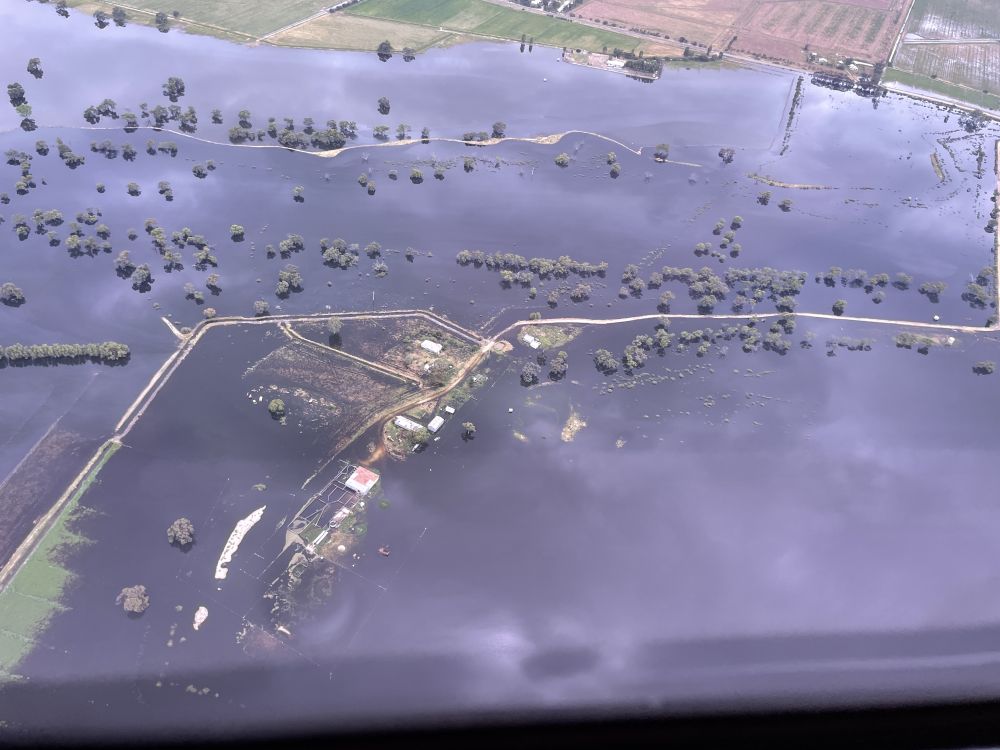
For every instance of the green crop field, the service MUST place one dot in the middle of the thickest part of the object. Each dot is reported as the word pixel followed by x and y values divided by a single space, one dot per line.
pixel 963 70
pixel 955 19
pixel 486 19
pixel 250 17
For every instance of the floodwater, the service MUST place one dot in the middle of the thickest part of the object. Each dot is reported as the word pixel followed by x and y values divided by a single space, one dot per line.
pixel 736 519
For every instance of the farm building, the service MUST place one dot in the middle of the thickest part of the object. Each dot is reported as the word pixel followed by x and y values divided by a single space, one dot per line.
pixel 431 346
pixel 362 480
pixel 614 62
pixel 435 424
pixel 531 341
pixel 405 423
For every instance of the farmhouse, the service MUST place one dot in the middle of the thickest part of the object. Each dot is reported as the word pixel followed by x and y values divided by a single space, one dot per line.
pixel 362 480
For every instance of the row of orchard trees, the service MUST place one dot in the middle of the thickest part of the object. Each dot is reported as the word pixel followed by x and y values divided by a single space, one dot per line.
pixel 107 351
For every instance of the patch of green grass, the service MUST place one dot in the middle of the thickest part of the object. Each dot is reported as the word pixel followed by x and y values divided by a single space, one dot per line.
pixel 252 17
pixel 937 86
pixel 485 19
pixel 463 15
pixel 25 615
pixel 41 578
pixel 12 648
pixel 32 596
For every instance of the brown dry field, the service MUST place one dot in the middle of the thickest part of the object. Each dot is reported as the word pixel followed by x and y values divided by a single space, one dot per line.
pixel 777 29
pixel 344 31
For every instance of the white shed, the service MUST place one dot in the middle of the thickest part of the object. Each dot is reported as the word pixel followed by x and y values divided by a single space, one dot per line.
pixel 432 346
pixel 405 423
pixel 435 424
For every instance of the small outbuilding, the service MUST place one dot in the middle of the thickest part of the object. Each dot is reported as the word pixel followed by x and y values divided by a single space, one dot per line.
pixel 405 423
pixel 531 341
pixel 362 480
pixel 435 424
pixel 432 346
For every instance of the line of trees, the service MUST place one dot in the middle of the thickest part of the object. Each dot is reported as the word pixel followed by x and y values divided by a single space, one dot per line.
pixel 105 352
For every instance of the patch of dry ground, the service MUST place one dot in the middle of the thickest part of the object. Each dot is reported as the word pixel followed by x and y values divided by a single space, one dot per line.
pixel 345 31
pixel 777 29
pixel 702 21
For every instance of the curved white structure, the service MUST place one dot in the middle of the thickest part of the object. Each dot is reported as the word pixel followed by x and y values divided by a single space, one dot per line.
pixel 235 538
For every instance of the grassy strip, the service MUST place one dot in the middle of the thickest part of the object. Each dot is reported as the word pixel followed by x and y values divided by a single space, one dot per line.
pixel 937 86
pixel 32 597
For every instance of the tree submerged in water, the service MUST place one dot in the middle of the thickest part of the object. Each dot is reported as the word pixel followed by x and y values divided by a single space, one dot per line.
pixel 133 599
pixel 181 532
pixel 277 408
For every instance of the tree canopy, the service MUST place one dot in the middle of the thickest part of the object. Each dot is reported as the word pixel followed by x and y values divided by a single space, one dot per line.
pixel 180 532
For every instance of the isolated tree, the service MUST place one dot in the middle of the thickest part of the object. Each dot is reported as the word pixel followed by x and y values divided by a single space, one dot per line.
pixel 35 67
pixel 558 366
pixel 499 129
pixel 180 532
pixel 140 277
pixel 237 232
pixel 277 408
pixel 416 176
pixel 384 51
pixel 133 189
pixel 529 373
pixel 412 438
pixel 986 367
pixel 298 194
pixel 839 306
pixel 605 361
pixel 261 308
pixel 173 89
pixel 11 295
pixel 468 430
pixel 133 599
pixel 119 16
pixel 562 160
pixel 334 325
pixel 383 105
pixel 15 93
pixel 409 54
pixel 100 19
